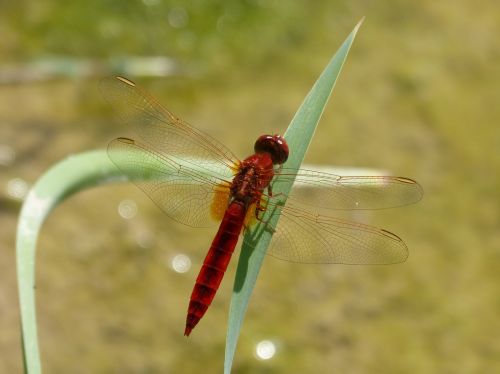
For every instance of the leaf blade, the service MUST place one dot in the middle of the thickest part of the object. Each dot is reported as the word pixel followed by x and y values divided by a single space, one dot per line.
pixel 298 135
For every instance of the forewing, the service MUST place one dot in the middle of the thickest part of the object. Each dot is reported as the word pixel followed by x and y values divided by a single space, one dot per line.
pixel 164 132
pixel 330 191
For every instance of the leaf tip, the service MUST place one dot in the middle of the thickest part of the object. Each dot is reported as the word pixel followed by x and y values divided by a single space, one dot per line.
pixel 356 28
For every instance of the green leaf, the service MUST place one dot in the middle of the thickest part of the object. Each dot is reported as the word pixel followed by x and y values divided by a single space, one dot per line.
pixel 61 181
pixel 298 136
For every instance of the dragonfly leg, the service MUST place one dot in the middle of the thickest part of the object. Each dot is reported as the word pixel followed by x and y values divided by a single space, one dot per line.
pixel 259 209
pixel 266 223
pixel 270 192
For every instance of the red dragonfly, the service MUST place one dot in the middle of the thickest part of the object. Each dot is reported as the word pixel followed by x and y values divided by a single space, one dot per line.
pixel 196 181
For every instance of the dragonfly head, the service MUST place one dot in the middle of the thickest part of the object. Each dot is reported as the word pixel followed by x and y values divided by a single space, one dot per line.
pixel 275 145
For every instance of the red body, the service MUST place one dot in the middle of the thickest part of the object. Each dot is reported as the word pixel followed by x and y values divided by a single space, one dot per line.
pixel 247 187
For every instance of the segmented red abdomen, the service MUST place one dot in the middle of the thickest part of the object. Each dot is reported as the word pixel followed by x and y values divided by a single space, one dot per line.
pixel 215 263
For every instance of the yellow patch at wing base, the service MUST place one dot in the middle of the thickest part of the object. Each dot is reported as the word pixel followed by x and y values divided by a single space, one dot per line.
pixel 250 218
pixel 251 215
pixel 219 202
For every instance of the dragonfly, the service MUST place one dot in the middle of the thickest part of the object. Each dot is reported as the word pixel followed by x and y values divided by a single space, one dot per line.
pixel 199 182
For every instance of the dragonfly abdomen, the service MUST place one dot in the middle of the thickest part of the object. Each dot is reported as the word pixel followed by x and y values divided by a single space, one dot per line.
pixel 215 263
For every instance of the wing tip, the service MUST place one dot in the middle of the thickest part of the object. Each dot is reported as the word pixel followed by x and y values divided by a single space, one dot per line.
pixel 125 140
pixel 391 235
pixel 125 80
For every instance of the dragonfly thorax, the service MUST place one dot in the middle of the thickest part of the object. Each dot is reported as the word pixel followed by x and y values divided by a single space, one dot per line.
pixel 254 175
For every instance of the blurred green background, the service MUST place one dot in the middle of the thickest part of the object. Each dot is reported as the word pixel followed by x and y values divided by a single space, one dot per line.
pixel 418 97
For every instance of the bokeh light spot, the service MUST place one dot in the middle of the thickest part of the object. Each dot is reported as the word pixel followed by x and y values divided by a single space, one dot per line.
pixel 127 209
pixel 145 239
pixel 265 350
pixel 17 188
pixel 178 17
pixel 181 263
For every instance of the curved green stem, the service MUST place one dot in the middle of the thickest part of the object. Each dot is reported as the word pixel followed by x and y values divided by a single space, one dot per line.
pixel 59 182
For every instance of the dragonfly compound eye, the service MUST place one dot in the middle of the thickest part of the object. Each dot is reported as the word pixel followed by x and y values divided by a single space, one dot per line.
pixel 275 145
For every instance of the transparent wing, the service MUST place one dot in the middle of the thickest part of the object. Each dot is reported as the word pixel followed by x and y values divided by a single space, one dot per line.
pixel 305 237
pixel 184 171
pixel 332 191
pixel 188 195
pixel 187 174
pixel 164 133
